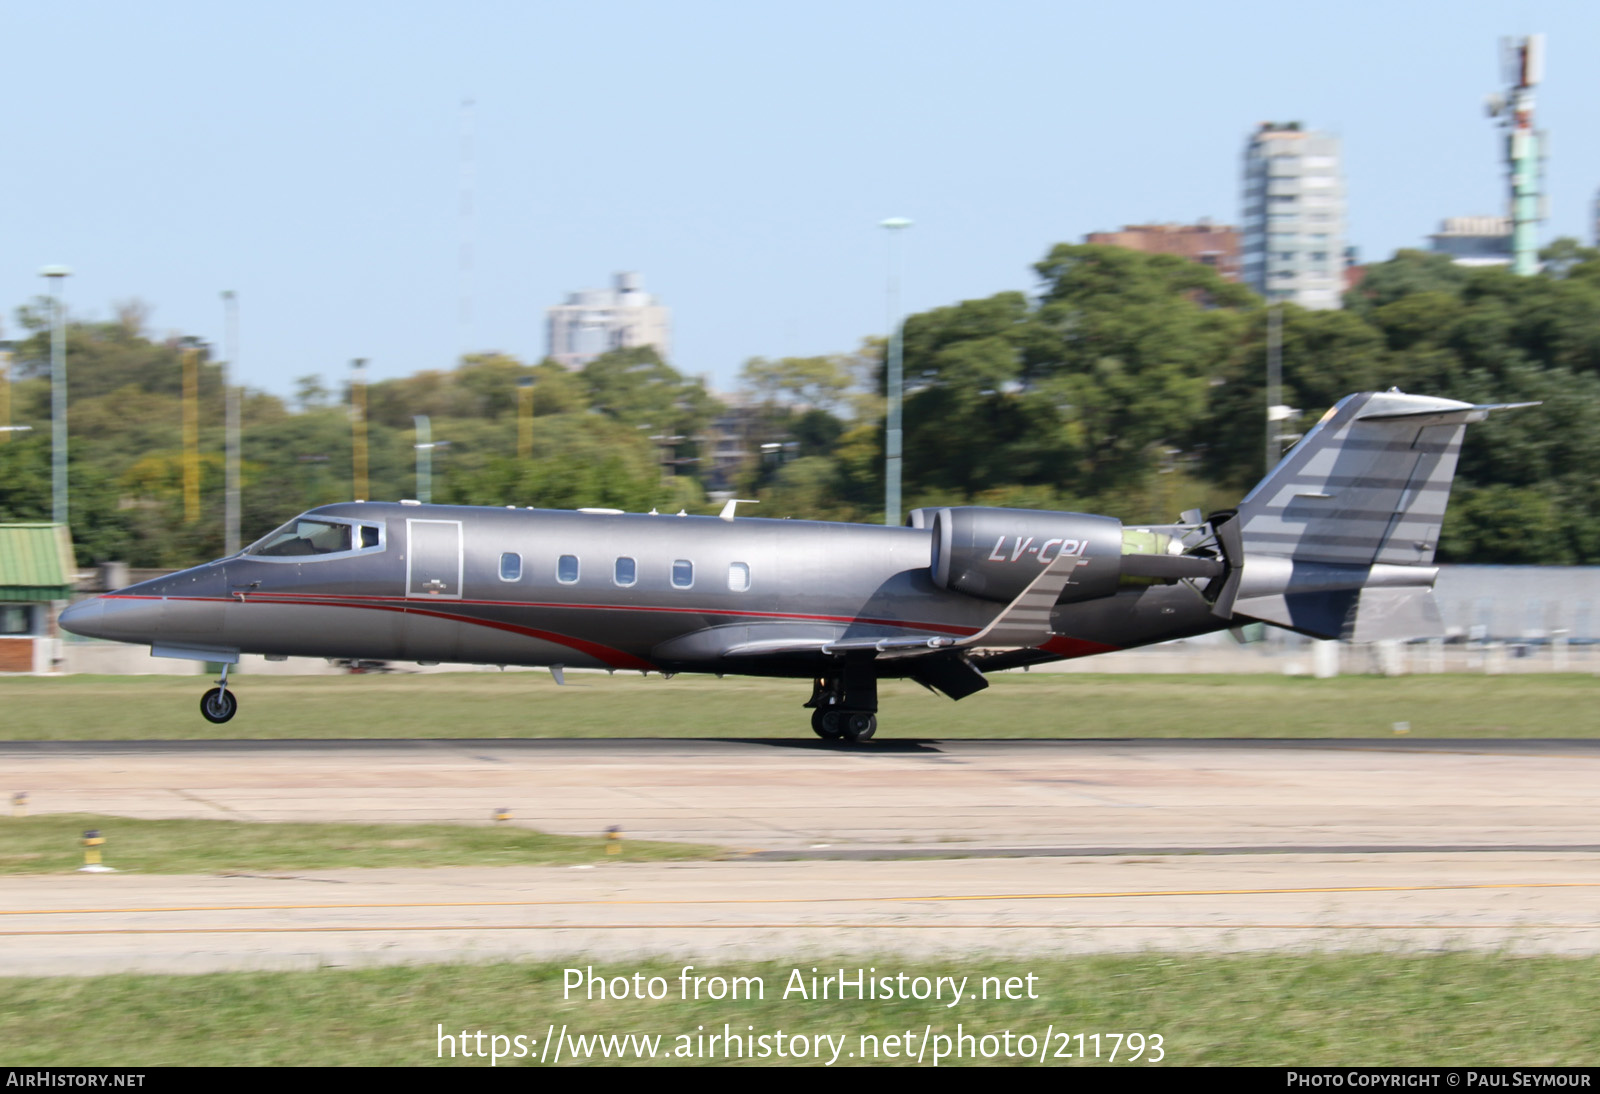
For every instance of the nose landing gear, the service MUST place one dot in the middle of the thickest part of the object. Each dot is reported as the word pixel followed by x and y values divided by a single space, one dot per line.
pixel 219 704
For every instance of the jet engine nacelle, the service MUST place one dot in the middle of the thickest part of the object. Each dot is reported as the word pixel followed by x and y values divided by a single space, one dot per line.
pixel 994 554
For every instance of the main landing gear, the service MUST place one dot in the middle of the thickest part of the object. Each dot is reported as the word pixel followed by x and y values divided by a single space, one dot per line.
pixel 844 706
pixel 219 704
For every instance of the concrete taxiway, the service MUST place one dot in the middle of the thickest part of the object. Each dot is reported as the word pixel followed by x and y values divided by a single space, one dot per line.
pixel 1115 845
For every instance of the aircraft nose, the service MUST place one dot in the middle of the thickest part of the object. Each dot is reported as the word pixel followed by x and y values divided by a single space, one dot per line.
pixel 84 617
pixel 115 617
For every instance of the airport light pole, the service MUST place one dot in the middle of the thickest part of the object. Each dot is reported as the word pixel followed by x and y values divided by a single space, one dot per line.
pixel 1274 382
pixel 358 425
pixel 892 445
pixel 5 392
pixel 58 395
pixel 424 447
pixel 525 417
pixel 230 520
pixel 191 435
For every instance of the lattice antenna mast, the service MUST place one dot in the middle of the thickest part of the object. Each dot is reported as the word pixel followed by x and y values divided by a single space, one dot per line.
pixel 1522 61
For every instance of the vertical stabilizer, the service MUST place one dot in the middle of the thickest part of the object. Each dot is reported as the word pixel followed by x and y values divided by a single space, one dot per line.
pixel 1339 538
pixel 1368 485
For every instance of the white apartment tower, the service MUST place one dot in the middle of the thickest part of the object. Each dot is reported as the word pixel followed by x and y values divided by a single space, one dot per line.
pixel 595 321
pixel 1294 216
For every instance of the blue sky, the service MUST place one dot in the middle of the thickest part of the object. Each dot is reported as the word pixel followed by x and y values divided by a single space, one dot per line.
pixel 738 155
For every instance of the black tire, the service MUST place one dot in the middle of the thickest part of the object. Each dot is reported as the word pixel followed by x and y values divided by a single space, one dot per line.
pixel 217 706
pixel 825 724
pixel 858 725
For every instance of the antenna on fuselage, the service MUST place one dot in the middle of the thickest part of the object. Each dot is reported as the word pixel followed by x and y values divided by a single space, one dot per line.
pixel 733 504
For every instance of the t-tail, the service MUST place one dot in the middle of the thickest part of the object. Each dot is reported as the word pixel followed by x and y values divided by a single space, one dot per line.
pixel 1338 540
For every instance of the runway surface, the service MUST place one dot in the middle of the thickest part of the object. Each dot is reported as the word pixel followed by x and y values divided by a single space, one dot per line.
pixel 1115 845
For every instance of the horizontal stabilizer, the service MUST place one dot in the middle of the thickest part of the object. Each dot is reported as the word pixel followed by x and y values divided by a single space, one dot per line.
pixel 1398 614
pixel 1319 614
pixel 1357 615
pixel 1466 415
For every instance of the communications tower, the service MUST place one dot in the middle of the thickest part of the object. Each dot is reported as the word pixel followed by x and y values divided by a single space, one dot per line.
pixel 1522 61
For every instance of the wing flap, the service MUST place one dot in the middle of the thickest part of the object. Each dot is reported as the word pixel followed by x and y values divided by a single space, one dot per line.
pixel 892 646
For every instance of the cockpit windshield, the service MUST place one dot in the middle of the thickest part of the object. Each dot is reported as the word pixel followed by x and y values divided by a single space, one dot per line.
pixel 309 536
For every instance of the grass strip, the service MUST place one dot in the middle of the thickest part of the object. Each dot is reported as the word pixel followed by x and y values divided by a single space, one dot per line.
pixel 1336 1009
pixel 1035 705
pixel 50 843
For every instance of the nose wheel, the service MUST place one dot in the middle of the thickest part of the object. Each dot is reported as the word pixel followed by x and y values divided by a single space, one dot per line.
pixel 219 704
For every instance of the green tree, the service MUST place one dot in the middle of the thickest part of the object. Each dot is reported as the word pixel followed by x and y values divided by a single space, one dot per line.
pixel 816 383
pixel 637 388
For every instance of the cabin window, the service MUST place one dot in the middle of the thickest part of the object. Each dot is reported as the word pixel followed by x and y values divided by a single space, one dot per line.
pixel 369 536
pixel 738 576
pixel 567 569
pixel 510 566
pixel 682 574
pixel 626 572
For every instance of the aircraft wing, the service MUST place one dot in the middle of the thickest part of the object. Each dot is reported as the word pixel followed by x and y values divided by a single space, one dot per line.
pixel 1023 624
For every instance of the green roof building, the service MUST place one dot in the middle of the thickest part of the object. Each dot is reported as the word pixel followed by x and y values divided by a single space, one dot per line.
pixel 37 573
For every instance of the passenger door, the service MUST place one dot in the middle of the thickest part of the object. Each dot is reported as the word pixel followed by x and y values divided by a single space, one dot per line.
pixel 433 559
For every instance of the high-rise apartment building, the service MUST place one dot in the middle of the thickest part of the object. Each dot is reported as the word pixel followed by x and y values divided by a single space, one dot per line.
pixel 1214 245
pixel 1294 215
pixel 595 321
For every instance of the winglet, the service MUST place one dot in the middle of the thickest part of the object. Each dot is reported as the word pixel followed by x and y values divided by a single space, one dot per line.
pixel 1025 623
pixel 732 504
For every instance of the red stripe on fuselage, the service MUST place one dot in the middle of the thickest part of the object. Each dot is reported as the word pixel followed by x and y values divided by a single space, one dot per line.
pixel 1065 647
pixel 615 658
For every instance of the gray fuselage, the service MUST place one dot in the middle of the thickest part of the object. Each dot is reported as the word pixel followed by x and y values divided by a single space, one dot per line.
pixel 595 590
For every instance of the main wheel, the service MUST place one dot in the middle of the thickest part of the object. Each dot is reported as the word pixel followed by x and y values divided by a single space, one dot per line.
pixel 825 724
pixel 218 705
pixel 859 726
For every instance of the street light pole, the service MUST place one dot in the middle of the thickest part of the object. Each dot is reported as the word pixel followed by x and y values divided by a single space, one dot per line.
pixel 58 396
pixel 191 434
pixel 424 447
pixel 525 417
pixel 5 392
pixel 230 306
pixel 1274 382
pixel 892 461
pixel 358 425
